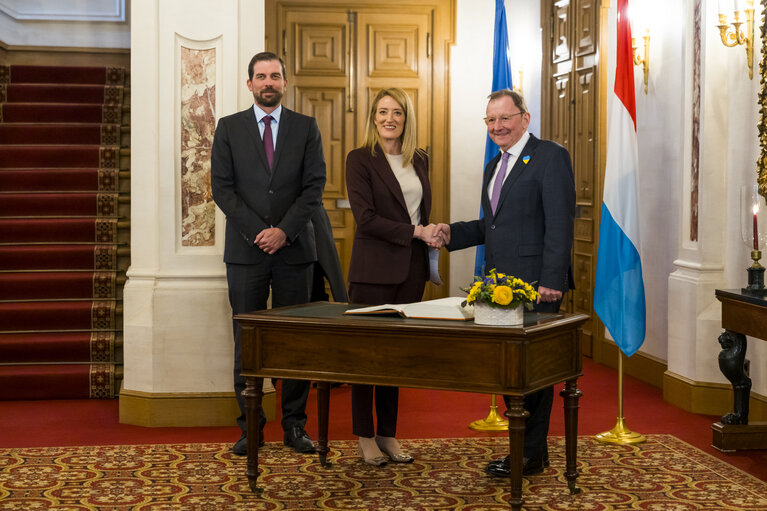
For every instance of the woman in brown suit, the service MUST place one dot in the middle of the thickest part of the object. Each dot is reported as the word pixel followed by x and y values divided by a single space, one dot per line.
pixel 388 186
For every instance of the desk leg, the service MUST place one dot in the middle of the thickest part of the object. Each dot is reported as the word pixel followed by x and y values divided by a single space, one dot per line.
pixel 735 367
pixel 323 413
pixel 516 414
pixel 571 394
pixel 253 394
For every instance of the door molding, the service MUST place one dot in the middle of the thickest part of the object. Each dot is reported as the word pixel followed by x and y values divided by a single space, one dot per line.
pixel 440 38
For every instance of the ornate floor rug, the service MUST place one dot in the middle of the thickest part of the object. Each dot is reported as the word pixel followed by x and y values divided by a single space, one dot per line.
pixel 663 474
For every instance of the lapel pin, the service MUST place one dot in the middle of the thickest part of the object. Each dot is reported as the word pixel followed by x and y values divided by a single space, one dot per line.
pixel 525 159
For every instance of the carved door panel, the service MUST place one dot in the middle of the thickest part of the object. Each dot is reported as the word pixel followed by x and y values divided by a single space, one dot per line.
pixel 338 55
pixel 570 118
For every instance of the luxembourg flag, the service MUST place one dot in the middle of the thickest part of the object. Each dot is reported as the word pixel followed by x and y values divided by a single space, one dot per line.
pixel 619 298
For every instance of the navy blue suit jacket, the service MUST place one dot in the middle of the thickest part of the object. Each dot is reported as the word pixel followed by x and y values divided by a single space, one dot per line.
pixel 530 235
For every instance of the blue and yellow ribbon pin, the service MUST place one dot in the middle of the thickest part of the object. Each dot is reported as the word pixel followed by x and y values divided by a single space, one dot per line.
pixel 525 159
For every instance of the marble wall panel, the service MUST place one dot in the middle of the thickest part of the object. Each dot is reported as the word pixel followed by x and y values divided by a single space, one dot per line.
pixel 198 123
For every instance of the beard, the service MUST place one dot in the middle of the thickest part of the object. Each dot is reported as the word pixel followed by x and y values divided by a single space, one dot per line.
pixel 274 100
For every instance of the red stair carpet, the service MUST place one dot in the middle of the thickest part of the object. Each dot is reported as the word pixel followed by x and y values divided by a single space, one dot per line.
pixel 62 198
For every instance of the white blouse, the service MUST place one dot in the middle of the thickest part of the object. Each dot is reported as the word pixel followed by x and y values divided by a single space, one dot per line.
pixel 410 185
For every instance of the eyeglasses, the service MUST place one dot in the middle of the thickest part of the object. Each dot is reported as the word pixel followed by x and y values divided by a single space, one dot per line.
pixel 504 119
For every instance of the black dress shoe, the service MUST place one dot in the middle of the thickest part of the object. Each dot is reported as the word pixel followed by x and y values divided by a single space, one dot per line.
pixel 240 447
pixel 297 438
pixel 530 466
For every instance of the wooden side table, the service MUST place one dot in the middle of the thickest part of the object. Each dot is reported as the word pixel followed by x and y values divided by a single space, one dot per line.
pixel 742 314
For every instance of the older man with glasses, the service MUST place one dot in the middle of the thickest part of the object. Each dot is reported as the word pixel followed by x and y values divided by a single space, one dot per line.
pixel 528 201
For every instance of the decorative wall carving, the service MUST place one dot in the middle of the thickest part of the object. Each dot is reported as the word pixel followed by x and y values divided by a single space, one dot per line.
pixel 761 163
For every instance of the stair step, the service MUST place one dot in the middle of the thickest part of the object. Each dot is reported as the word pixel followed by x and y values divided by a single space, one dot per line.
pixel 60 133
pixel 49 285
pixel 63 257
pixel 62 93
pixel 26 348
pixel 56 230
pixel 58 156
pixel 65 74
pixel 39 316
pixel 61 180
pixel 61 112
pixel 58 204
pixel 57 381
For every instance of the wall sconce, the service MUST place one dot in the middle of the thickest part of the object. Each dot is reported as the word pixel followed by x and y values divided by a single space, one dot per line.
pixel 644 61
pixel 732 35
pixel 518 83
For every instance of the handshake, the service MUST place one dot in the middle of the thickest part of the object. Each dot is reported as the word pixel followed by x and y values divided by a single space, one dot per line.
pixel 434 235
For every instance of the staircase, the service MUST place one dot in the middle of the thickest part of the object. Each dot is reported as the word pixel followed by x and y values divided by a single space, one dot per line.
pixel 64 230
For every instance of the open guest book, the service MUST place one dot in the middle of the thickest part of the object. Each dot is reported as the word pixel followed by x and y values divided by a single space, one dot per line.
pixel 441 308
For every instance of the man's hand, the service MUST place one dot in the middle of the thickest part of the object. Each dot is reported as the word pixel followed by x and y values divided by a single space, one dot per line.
pixel 444 233
pixel 428 234
pixel 548 295
pixel 435 236
pixel 271 240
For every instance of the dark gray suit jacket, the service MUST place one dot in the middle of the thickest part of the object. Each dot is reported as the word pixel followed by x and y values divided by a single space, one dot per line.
pixel 530 236
pixel 327 254
pixel 254 198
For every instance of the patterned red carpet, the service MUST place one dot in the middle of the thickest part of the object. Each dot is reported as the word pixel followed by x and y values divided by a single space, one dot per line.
pixel 664 474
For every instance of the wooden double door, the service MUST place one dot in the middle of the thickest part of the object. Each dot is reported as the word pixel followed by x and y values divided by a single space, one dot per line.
pixel 571 113
pixel 338 55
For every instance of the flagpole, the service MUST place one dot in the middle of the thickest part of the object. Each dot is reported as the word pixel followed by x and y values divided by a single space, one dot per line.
pixel 620 434
pixel 493 421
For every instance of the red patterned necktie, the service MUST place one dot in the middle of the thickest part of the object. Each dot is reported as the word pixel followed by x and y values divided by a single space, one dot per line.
pixel 499 182
pixel 268 142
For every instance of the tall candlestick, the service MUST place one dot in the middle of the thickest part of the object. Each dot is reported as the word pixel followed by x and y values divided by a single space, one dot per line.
pixel 756 229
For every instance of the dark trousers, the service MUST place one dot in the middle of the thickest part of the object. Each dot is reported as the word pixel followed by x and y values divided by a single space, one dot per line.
pixel 538 404
pixel 249 287
pixel 386 398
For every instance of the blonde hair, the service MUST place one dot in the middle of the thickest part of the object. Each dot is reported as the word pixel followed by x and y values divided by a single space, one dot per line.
pixel 409 132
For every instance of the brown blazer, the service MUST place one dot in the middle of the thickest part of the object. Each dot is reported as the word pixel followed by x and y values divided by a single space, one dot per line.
pixel 384 237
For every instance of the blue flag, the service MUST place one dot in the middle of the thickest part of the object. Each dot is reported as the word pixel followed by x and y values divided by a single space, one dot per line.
pixel 501 80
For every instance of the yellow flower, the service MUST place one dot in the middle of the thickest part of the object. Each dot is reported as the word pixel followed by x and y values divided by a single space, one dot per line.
pixel 502 295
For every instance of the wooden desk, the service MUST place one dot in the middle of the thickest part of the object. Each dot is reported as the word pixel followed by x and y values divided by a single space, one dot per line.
pixel 742 314
pixel 430 354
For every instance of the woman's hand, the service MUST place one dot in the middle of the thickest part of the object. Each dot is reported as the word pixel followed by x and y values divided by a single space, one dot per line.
pixel 430 234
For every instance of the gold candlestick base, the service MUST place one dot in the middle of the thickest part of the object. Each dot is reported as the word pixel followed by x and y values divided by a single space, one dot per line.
pixel 620 434
pixel 493 421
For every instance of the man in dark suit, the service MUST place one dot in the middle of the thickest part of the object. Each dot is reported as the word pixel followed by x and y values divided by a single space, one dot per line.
pixel 268 174
pixel 528 199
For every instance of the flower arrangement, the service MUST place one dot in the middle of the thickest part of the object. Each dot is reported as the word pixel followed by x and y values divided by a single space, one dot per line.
pixel 502 291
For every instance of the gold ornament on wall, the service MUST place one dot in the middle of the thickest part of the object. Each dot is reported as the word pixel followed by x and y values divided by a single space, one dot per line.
pixel 761 163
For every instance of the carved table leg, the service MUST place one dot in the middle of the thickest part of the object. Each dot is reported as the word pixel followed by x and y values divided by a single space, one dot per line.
pixel 516 414
pixel 253 394
pixel 323 407
pixel 571 394
pixel 734 366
